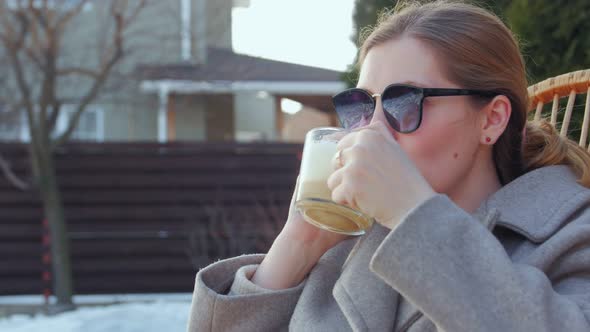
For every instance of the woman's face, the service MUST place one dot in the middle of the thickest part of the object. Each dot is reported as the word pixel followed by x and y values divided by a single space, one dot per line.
pixel 445 146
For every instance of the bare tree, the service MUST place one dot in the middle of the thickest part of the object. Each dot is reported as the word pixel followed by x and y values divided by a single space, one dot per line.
pixel 234 228
pixel 32 44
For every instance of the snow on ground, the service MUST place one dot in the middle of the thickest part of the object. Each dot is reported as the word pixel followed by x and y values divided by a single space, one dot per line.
pixel 162 315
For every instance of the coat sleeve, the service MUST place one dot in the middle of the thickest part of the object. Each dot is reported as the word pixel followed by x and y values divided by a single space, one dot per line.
pixel 453 269
pixel 225 299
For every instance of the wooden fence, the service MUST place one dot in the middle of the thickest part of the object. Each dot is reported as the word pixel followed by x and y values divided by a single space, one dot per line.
pixel 145 217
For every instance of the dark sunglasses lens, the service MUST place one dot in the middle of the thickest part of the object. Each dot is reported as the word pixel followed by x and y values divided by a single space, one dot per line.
pixel 354 108
pixel 402 107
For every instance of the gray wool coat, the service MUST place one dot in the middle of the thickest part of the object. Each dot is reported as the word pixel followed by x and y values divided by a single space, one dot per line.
pixel 521 262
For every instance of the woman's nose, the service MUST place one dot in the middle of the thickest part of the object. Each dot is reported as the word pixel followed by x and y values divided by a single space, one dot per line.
pixel 379 115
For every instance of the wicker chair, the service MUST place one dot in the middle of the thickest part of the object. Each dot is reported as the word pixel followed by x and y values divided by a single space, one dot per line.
pixel 552 89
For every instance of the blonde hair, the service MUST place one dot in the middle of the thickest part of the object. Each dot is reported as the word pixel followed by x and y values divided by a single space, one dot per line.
pixel 477 51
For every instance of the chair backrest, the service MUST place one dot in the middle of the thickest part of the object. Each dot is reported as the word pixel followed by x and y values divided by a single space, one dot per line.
pixel 552 89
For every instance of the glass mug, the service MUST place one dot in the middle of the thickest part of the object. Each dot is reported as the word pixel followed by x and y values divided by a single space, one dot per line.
pixel 314 198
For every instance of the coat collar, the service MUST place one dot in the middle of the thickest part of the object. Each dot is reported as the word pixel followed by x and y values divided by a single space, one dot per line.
pixel 534 205
pixel 537 203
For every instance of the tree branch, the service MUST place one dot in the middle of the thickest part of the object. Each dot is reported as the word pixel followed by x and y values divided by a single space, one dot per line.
pixel 34 57
pixel 49 81
pixel 78 71
pixel 25 94
pixel 54 115
pixel 100 80
pixel 68 15
pixel 52 72
pixel 134 14
pixel 40 15
pixel 13 47
pixel 34 49
pixel 7 31
pixel 122 7
pixel 10 176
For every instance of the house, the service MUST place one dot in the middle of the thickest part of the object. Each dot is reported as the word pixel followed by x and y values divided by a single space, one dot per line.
pixel 234 96
pixel 180 80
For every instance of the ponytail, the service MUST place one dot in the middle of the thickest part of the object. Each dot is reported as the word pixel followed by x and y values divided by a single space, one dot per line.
pixel 544 146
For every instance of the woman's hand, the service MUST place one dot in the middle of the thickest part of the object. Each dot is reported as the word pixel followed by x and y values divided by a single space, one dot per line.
pixel 373 174
pixel 294 252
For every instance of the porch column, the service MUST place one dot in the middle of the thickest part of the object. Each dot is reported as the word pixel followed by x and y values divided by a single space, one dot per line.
pixel 279 119
pixel 171 118
pixel 163 95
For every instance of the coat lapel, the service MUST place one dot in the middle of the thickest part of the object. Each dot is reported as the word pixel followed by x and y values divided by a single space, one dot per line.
pixel 368 302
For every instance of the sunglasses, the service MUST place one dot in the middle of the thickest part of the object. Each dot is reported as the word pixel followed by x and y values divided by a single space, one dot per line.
pixel 402 105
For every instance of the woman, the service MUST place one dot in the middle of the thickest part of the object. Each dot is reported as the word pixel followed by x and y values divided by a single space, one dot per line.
pixel 482 224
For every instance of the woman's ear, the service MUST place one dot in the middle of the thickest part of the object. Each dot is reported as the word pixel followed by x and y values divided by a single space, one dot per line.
pixel 495 118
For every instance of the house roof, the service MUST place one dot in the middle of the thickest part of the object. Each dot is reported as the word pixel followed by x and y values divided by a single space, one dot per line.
pixel 225 65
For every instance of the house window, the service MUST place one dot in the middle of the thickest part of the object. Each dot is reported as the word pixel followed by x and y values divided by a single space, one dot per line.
pixel 65 4
pixel 9 124
pixel 14 126
pixel 90 125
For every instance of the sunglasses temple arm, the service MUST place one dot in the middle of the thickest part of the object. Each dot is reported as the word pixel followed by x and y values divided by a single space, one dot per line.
pixel 455 92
